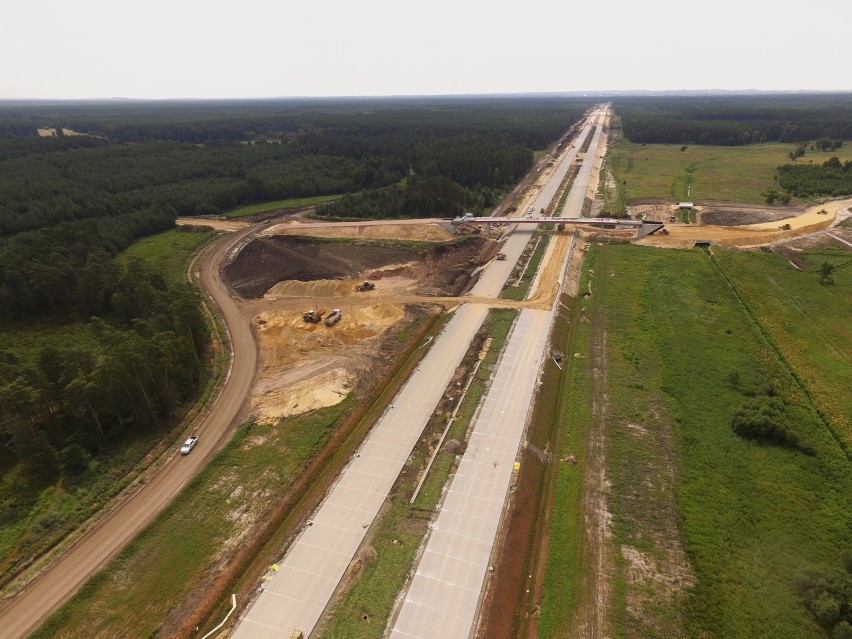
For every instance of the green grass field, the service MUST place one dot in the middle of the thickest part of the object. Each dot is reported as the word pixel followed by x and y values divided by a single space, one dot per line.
pixel 169 252
pixel 806 320
pixel 734 173
pixel 134 595
pixel 252 209
pixel 722 525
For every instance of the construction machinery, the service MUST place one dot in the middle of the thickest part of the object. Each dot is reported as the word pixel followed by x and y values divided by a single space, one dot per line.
pixel 312 316
pixel 333 317
pixel 365 286
pixel 500 257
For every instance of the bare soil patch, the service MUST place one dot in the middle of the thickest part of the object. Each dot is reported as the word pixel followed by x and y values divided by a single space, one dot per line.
pixel 218 225
pixel 304 366
pixel 734 214
pixel 440 269
pixel 422 232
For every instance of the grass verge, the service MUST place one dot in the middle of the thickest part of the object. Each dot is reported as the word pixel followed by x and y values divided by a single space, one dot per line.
pixel 522 288
pixel 169 252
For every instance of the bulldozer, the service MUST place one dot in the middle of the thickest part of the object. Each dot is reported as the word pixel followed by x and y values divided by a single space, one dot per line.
pixel 365 286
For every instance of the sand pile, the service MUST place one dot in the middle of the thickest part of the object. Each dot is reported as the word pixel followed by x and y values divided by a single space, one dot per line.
pixel 307 366
pixel 326 389
pixel 316 288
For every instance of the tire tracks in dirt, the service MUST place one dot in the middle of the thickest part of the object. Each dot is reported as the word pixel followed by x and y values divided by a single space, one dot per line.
pixel 593 612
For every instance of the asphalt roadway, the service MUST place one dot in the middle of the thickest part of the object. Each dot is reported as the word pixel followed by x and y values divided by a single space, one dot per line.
pixel 61 579
pixel 299 591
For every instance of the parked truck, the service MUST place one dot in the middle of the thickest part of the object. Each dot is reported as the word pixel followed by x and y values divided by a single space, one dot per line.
pixel 333 317
pixel 366 285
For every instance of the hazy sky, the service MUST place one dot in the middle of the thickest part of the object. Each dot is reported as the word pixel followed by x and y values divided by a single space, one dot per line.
pixel 258 48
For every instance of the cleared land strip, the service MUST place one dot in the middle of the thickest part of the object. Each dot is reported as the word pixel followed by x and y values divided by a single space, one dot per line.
pixel 443 596
pixel 308 575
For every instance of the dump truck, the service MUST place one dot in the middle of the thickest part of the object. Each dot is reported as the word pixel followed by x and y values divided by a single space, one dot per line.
pixel 500 256
pixel 333 317
pixel 365 286
pixel 297 634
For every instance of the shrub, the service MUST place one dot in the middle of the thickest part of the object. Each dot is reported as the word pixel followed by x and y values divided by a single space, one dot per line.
pixel 75 459
pixel 827 593
pixel 764 419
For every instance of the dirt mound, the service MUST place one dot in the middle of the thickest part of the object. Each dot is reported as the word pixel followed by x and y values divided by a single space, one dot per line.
pixel 443 269
pixel 317 288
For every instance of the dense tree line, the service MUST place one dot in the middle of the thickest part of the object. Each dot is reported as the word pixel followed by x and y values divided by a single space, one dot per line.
pixel 832 177
pixel 50 270
pixel 736 120
pixel 448 178
pixel 182 155
pixel 531 121
pixel 419 196
pixel 142 358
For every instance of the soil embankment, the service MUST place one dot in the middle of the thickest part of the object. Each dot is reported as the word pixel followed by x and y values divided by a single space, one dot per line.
pixel 443 269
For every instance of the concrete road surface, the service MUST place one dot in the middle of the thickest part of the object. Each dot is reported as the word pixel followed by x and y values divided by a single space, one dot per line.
pixel 60 580
pixel 442 599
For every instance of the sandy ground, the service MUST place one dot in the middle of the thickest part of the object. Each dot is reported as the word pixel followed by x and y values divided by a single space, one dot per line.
pixel 414 230
pixel 594 179
pixel 305 366
pixel 811 221
pixel 50 133
pixel 219 225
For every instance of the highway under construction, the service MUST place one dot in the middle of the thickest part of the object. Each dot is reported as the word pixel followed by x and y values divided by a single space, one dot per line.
pixel 454 562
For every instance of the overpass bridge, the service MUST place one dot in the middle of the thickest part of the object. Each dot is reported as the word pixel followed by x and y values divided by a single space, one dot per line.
pixel 643 227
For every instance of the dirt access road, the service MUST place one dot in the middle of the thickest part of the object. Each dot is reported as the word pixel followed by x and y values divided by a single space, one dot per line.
pixel 61 579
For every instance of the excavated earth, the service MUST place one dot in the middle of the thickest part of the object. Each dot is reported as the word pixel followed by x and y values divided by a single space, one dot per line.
pixel 304 366
pixel 441 269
